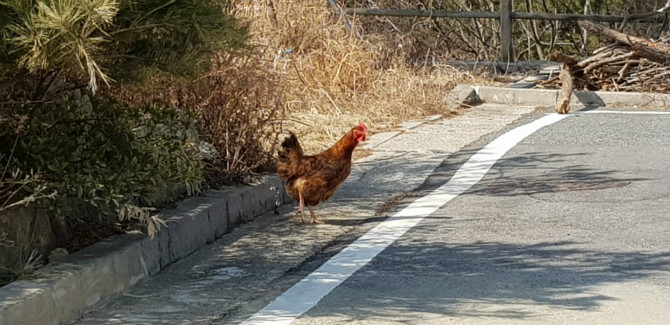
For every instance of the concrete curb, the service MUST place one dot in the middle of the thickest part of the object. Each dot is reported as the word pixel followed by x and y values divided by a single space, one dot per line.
pixel 64 290
pixel 548 97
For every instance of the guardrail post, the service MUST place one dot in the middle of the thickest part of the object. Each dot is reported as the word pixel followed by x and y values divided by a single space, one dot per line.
pixel 506 48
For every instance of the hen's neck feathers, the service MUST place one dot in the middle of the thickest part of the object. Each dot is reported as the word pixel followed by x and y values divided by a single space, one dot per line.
pixel 343 148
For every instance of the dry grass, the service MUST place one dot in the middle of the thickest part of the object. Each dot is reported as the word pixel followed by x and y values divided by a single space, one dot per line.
pixel 306 71
pixel 333 78
pixel 240 109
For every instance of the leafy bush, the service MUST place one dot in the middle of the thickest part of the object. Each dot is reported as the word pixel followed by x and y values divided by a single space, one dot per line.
pixel 56 145
pixel 111 156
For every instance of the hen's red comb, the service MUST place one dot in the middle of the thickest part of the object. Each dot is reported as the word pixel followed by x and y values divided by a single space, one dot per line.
pixel 362 126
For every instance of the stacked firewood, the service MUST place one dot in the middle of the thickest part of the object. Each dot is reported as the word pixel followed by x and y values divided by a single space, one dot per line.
pixel 615 67
pixel 628 64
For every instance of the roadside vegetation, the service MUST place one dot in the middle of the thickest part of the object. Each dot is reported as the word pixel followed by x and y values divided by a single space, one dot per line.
pixel 70 146
pixel 112 109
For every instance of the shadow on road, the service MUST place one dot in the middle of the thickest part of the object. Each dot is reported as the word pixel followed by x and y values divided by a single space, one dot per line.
pixel 534 173
pixel 486 279
pixel 420 278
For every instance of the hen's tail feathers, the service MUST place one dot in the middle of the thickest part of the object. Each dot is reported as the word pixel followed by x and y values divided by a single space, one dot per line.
pixel 289 156
pixel 290 147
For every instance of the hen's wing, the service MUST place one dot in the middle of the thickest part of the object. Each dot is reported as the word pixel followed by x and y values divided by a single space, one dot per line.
pixel 318 177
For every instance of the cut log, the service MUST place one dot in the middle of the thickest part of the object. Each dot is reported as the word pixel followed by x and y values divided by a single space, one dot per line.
pixel 654 51
pixel 619 58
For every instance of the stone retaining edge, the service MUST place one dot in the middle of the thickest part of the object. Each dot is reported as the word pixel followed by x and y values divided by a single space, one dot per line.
pixel 63 291
pixel 548 97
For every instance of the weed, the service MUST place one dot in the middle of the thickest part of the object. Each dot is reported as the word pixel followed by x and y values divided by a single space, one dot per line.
pixel 23 268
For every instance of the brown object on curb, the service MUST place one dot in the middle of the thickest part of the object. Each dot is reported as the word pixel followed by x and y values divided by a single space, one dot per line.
pixel 567 85
pixel 567 82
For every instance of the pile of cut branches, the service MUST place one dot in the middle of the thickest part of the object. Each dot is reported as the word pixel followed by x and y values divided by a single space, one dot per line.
pixel 615 67
pixel 630 63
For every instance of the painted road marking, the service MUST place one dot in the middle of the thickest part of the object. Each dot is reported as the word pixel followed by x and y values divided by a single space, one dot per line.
pixel 306 294
pixel 622 112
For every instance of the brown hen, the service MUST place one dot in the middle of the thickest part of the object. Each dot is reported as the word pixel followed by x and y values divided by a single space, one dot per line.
pixel 313 179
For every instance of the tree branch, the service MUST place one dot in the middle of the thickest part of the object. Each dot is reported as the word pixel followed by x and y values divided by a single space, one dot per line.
pixel 655 51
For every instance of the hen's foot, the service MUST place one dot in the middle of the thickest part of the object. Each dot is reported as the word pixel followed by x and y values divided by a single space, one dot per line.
pixel 313 216
pixel 301 215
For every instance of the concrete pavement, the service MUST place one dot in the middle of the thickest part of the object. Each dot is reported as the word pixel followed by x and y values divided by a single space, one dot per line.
pixel 571 226
pixel 239 273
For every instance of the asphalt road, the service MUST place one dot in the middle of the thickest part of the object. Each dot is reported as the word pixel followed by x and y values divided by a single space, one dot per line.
pixel 571 225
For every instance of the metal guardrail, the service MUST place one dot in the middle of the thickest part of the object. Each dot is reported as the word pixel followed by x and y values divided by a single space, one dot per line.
pixel 506 15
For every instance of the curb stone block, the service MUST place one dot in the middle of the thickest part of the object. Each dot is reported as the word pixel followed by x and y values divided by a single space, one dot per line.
pixel 586 98
pixel 233 207
pixel 249 206
pixel 548 97
pixel 262 197
pixel 218 215
pixel 278 195
pixel 260 200
pixel 66 292
pixel 188 230
pixel 163 240
pixel 245 203
pixel 514 96
pixel 97 277
pixel 622 99
pixel 25 303
pixel 149 247
pixel 134 260
pixel 102 271
pixel 461 95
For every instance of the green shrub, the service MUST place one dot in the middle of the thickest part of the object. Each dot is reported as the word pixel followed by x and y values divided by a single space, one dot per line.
pixel 112 156
pixel 55 144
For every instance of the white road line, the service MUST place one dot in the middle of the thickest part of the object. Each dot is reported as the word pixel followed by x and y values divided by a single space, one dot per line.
pixel 306 294
pixel 622 112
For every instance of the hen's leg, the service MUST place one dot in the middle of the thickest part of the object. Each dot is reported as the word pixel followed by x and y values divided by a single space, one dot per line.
pixel 311 212
pixel 301 208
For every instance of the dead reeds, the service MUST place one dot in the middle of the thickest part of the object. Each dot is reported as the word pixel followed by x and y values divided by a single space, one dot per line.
pixel 307 71
pixel 332 72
